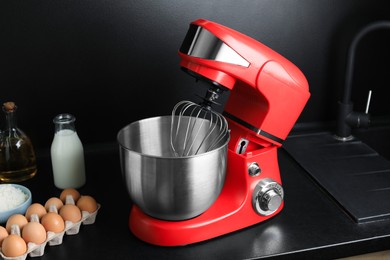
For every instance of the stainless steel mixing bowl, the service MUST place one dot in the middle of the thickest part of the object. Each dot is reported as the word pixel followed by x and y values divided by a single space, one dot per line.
pixel 162 185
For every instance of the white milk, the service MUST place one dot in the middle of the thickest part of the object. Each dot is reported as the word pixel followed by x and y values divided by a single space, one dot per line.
pixel 67 156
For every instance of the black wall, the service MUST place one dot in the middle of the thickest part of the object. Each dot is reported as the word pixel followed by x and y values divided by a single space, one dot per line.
pixel 111 62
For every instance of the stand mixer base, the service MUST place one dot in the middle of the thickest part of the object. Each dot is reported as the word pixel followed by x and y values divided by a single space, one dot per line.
pixel 181 233
pixel 232 211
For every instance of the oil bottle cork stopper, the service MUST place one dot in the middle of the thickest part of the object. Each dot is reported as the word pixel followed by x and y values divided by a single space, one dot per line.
pixel 9 106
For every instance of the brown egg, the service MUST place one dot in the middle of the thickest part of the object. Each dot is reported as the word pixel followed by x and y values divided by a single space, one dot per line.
pixel 35 208
pixel 73 192
pixel 18 219
pixel 13 246
pixel 3 234
pixel 53 222
pixel 34 232
pixel 53 201
pixel 87 203
pixel 70 212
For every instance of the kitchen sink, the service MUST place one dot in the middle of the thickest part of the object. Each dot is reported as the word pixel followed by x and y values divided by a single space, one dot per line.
pixel 355 173
pixel 377 138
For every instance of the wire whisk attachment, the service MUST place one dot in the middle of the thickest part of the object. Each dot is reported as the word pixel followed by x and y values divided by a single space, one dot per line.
pixel 196 129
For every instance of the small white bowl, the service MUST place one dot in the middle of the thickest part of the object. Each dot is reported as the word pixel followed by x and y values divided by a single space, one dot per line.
pixel 21 209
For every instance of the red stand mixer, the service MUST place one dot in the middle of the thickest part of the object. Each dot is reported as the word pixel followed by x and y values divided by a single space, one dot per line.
pixel 267 95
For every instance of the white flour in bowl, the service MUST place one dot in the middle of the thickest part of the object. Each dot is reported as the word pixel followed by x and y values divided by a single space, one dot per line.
pixel 11 197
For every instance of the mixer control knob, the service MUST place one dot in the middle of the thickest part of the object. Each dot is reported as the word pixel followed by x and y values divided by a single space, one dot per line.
pixel 270 201
pixel 254 169
pixel 267 197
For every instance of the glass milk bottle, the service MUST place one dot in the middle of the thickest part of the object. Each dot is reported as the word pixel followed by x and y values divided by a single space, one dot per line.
pixel 17 156
pixel 67 154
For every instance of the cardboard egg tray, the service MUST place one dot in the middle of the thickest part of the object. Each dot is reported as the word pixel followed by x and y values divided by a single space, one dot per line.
pixel 54 239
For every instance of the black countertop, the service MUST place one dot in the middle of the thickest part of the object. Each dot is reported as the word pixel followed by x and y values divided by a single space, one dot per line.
pixel 311 225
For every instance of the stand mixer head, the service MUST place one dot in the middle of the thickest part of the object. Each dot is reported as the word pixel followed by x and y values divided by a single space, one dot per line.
pixel 268 92
pixel 267 95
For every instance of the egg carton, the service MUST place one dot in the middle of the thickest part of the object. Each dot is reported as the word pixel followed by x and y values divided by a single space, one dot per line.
pixel 54 239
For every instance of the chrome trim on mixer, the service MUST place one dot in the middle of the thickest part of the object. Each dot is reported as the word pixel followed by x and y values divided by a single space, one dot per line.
pixel 252 128
pixel 201 43
pixel 267 197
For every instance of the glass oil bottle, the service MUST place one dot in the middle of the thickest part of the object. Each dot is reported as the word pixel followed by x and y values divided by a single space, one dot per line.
pixel 17 156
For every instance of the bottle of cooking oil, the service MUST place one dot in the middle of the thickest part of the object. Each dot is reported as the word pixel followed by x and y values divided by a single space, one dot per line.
pixel 17 156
